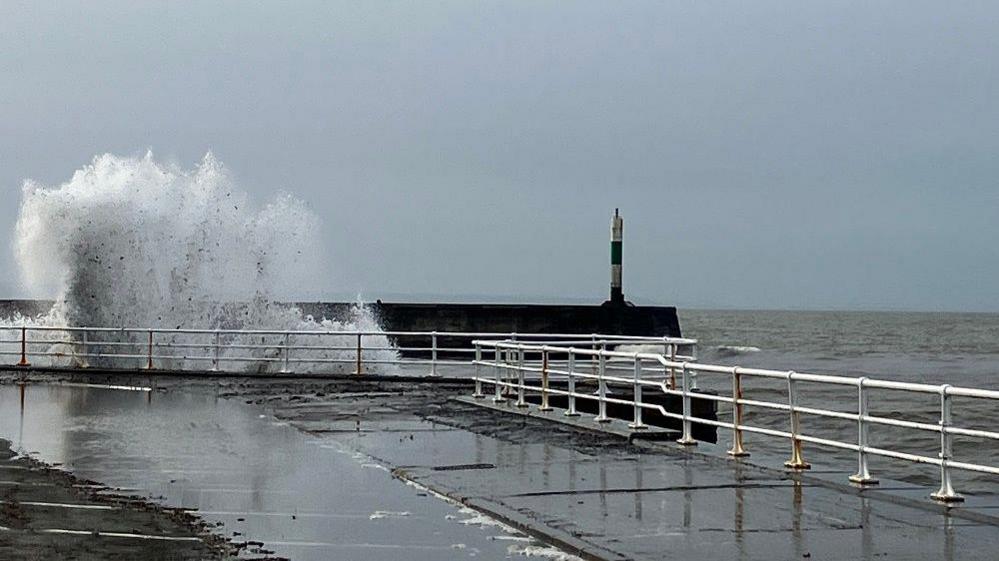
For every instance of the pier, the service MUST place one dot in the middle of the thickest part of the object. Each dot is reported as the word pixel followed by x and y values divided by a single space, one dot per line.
pixel 606 447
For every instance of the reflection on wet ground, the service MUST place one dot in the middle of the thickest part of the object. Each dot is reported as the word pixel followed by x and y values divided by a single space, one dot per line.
pixel 617 501
pixel 304 497
pixel 323 490
pixel 46 513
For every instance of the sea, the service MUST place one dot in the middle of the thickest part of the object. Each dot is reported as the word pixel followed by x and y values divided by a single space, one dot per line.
pixel 960 349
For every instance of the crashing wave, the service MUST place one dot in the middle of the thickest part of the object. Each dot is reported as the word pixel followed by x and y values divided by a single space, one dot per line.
pixel 735 350
pixel 133 242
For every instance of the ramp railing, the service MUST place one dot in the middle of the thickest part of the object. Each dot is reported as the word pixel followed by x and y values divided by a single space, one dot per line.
pixel 520 369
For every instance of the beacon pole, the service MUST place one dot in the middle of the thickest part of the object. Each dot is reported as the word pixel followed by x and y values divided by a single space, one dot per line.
pixel 617 229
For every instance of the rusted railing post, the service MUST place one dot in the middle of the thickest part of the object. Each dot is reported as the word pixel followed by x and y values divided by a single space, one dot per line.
pixel 593 359
pixel 215 351
pixel 737 449
pixel 544 382
pixel 24 347
pixel 284 363
pixel 149 353
pixel 83 343
pixel 946 492
pixel 666 356
pixel 672 369
pixel 863 475
pixel 357 357
pixel 797 460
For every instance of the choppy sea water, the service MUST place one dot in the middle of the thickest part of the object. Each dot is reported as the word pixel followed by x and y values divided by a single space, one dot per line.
pixel 958 349
pixel 961 349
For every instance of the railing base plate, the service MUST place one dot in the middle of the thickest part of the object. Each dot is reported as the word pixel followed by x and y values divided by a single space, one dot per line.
pixel 618 427
pixel 861 480
pixel 955 498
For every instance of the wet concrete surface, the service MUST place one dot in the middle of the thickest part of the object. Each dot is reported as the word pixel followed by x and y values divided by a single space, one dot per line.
pixel 285 492
pixel 593 494
pixel 599 496
pixel 46 513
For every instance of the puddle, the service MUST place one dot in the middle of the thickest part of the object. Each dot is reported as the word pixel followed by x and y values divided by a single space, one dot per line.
pixel 264 481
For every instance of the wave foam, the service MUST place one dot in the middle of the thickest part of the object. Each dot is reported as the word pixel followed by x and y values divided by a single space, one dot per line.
pixel 735 350
pixel 132 242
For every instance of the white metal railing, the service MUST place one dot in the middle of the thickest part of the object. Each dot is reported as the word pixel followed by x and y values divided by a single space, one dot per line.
pixel 287 351
pixel 659 372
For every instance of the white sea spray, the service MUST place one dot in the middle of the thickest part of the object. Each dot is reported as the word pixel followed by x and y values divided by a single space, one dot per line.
pixel 135 242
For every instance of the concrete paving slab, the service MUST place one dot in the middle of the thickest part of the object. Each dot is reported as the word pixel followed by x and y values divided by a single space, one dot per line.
pixel 605 498
pixel 582 421
pixel 305 497
pixel 626 503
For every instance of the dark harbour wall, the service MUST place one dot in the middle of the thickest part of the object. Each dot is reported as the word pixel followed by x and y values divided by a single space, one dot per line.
pixel 505 318
pixel 501 318
pixel 520 318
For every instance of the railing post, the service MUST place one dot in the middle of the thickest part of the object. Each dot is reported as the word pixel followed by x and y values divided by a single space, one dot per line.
pixel 544 382
pixel 358 366
pixel 666 356
pixel 497 373
pixel 693 374
pixel 687 439
pixel 215 351
pixel 637 397
pixel 284 364
pixel 593 359
pixel 946 492
pixel 84 344
pixel 149 353
pixel 433 353
pixel 672 369
pixel 520 379
pixel 508 373
pixel 863 475
pixel 24 347
pixel 797 460
pixel 737 449
pixel 478 371
pixel 571 411
pixel 602 387
pixel 508 359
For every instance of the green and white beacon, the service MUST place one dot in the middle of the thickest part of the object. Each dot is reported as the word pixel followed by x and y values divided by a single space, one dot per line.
pixel 617 231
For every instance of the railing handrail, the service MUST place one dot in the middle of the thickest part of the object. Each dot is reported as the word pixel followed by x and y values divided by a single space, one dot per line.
pixel 758 372
pixel 354 332
pixel 149 347
pixel 689 370
pixel 292 346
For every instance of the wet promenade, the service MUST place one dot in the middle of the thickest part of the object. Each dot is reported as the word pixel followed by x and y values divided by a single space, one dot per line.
pixel 276 491
pixel 229 449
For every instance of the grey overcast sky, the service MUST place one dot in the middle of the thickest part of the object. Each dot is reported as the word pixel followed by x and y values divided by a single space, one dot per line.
pixel 764 154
